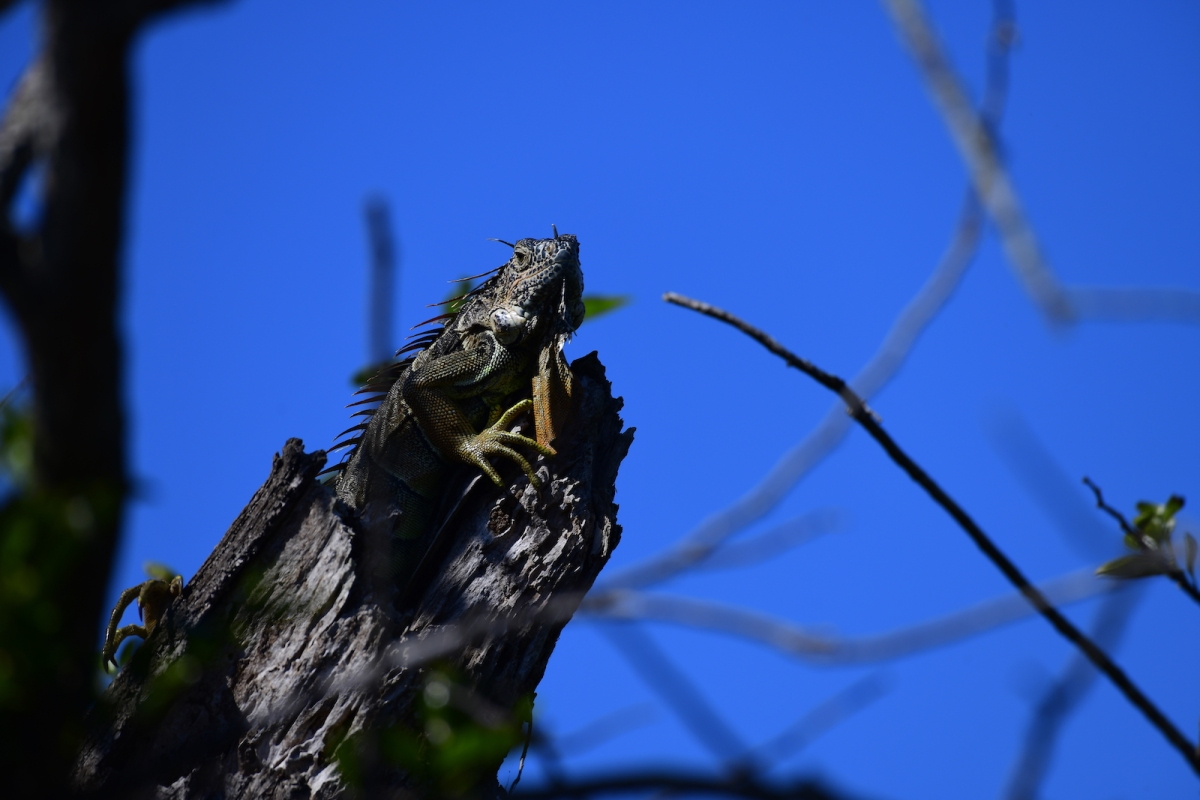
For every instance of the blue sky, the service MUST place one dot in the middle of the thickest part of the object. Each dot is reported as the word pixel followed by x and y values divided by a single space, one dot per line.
pixel 779 159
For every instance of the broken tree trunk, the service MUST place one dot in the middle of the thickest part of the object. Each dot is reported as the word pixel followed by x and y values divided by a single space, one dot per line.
pixel 279 673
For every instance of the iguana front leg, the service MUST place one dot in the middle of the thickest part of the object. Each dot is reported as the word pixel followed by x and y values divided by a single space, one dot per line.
pixel 114 637
pixel 153 597
pixel 434 387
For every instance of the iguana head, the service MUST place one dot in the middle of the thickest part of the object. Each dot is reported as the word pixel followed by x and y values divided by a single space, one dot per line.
pixel 537 293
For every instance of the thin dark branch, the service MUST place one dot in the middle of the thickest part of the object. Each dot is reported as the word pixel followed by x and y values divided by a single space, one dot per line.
pixel 1064 697
pixel 1050 486
pixel 524 753
pixel 864 417
pixel 1112 512
pixel 682 782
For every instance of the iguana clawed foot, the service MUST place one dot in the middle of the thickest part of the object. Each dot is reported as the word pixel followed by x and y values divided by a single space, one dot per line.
pixel 497 440
pixel 153 597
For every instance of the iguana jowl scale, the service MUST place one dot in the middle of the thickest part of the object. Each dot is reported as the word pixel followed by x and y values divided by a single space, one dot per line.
pixel 497 355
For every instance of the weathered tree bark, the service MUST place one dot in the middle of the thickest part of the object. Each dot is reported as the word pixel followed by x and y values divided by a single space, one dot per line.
pixel 280 657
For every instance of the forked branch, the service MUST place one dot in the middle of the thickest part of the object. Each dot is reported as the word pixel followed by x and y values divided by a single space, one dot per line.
pixel 861 414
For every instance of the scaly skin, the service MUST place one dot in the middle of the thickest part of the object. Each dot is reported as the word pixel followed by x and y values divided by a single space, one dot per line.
pixel 153 597
pixel 456 401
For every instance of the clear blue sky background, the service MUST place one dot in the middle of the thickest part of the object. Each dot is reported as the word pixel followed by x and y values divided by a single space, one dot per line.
pixel 779 159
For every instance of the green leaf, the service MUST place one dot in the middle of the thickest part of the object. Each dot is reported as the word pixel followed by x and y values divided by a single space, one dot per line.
pixel 597 305
pixel 460 289
pixel 1158 521
pixel 1138 565
pixel 159 571
pixel 1189 557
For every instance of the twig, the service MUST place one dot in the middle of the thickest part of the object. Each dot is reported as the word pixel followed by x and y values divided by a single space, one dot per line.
pixel 1144 543
pixel 827 650
pixel 1112 512
pixel 1049 485
pixel 1064 696
pixel 524 752
pixel 864 417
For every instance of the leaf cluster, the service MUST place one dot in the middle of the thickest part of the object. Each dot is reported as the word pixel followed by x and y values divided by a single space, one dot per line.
pixel 1151 538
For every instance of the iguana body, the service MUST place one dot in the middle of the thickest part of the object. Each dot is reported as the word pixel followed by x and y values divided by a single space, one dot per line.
pixel 455 401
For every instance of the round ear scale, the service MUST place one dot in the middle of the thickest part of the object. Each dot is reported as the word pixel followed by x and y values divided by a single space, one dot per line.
pixel 501 241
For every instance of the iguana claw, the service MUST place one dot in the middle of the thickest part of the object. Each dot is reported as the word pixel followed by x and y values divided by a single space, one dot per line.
pixel 497 440
pixel 153 597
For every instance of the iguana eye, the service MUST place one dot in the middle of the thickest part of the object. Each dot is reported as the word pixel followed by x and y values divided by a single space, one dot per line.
pixel 521 257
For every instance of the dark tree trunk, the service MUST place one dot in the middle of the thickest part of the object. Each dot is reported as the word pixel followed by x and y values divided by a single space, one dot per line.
pixel 60 278
pixel 279 672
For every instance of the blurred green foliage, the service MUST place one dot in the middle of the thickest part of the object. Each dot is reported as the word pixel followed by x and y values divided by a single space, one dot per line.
pixel 597 305
pixel 1151 538
pixel 459 742
pixel 16 442
pixel 43 539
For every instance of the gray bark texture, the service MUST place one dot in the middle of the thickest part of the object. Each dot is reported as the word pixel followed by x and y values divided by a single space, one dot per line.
pixel 280 657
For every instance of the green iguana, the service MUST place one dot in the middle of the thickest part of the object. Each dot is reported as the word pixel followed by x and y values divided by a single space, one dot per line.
pixel 452 400
pixel 497 354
